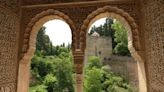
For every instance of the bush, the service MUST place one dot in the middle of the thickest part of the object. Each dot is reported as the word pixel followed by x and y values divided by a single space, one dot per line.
pixel 94 61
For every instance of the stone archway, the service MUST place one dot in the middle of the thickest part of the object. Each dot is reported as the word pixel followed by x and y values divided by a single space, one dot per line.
pixel 29 43
pixel 133 36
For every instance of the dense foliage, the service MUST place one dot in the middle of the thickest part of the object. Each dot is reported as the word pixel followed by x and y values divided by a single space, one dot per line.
pixel 99 78
pixel 121 39
pixel 51 67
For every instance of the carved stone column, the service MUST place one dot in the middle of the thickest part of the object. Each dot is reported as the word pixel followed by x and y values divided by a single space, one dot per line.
pixel 78 61
pixel 79 82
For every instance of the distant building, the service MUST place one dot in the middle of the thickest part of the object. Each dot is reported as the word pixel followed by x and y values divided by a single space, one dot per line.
pixel 101 46
pixel 98 46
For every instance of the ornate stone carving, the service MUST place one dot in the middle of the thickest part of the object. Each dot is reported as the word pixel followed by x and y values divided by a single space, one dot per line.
pixel 78 61
pixel 10 87
pixel 126 16
pixel 9 27
pixel 11 4
pixel 154 42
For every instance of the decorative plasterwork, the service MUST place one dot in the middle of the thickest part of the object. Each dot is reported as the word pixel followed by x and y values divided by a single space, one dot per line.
pixel 27 40
pixel 10 4
pixel 135 41
pixel 78 57
pixel 9 28
pixel 153 11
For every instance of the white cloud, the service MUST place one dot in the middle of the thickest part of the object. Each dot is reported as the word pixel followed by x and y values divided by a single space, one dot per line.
pixel 58 31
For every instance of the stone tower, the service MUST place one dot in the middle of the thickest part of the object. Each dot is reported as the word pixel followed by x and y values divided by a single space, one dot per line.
pixel 97 45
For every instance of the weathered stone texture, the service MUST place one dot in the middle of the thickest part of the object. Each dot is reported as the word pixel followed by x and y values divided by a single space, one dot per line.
pixel 8 50
pixel 154 34
pixel 125 66
pixel 11 4
pixel 78 12
pixel 98 46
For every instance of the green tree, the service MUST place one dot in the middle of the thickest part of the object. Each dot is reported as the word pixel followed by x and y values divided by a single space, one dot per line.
pixel 93 80
pixel 104 29
pixel 100 78
pixel 43 42
pixel 121 39
pixel 107 27
pixel 51 82
pixel 93 61
pixel 52 66
pixel 63 71
pixel 38 88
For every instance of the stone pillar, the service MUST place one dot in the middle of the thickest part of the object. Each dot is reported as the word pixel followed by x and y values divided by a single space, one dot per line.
pixel 24 71
pixel 79 63
pixel 24 76
pixel 23 81
pixel 79 82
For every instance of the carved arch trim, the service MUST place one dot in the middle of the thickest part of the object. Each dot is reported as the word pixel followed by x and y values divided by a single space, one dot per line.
pixel 28 39
pixel 133 37
pixel 134 44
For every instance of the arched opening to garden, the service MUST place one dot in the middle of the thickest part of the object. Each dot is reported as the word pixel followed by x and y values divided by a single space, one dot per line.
pixel 107 59
pixel 102 51
pixel 50 63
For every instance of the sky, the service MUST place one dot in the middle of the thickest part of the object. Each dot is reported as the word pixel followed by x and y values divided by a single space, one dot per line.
pixel 60 32
pixel 98 23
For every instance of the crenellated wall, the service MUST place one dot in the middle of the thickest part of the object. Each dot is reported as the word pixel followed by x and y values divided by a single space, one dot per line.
pixel 153 11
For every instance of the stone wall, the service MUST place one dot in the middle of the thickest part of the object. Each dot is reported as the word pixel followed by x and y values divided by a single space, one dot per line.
pixel 125 66
pixel 8 50
pixel 153 11
pixel 98 46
